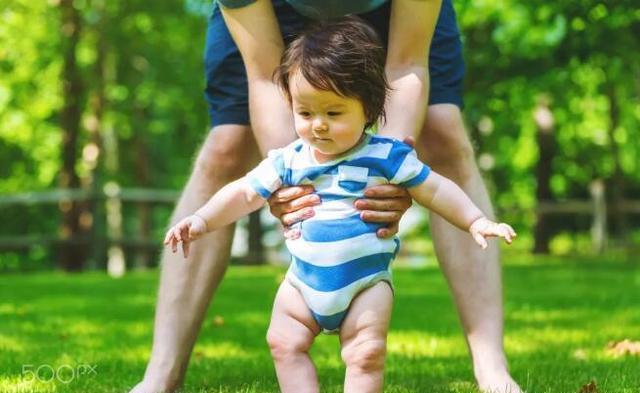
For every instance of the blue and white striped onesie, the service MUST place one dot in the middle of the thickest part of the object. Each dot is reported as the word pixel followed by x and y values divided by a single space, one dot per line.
pixel 338 255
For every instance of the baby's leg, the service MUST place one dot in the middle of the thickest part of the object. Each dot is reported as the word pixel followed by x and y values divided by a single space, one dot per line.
pixel 363 336
pixel 291 333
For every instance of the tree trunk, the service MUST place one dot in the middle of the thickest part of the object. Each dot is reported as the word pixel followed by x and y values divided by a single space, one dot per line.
pixel 92 153
pixel 73 250
pixel 544 169
pixel 616 182
pixel 143 256
pixel 255 256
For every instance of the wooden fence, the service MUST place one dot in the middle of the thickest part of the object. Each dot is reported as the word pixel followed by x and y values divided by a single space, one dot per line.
pixel 112 198
pixel 110 201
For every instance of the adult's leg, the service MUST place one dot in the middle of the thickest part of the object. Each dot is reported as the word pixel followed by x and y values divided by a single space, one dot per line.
pixel 186 287
pixel 363 336
pixel 290 335
pixel 473 274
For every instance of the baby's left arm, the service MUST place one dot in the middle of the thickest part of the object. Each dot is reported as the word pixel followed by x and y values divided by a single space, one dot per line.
pixel 445 198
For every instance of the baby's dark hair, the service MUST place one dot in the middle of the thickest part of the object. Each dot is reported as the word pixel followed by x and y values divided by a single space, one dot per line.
pixel 344 56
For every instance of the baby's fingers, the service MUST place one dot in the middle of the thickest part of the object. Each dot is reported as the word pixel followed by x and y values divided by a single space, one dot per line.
pixel 505 231
pixel 170 240
pixel 177 233
pixel 173 243
pixel 482 242
pixel 185 248
pixel 167 237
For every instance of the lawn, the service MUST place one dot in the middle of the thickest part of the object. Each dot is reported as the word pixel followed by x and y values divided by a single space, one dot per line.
pixel 91 333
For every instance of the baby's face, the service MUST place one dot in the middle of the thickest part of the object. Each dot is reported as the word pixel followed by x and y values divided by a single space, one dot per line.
pixel 329 123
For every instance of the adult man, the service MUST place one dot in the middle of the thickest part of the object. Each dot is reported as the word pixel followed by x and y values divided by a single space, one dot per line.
pixel 257 29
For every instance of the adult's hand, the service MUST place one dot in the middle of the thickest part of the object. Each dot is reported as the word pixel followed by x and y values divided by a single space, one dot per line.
pixel 386 203
pixel 291 205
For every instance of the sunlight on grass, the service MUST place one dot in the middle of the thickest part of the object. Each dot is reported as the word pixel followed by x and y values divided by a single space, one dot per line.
pixel 135 354
pixel 9 343
pixel 136 329
pixel 559 319
pixel 222 351
pixel 82 327
pixel 24 385
pixel 417 344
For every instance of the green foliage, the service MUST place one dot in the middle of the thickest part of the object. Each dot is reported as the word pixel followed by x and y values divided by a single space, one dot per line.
pixel 153 87
pixel 29 84
pixel 575 55
pixel 147 62
pixel 580 57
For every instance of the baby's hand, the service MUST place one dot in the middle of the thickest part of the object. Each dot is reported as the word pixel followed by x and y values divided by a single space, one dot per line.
pixel 483 228
pixel 187 230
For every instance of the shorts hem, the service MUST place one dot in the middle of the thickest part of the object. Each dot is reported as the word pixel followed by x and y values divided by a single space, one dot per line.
pixel 446 97
pixel 226 117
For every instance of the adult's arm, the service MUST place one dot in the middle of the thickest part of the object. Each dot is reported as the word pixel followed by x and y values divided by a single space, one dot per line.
pixel 411 29
pixel 255 30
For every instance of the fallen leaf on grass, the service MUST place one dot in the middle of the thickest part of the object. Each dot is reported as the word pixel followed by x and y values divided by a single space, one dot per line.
pixel 589 388
pixel 624 347
pixel 218 321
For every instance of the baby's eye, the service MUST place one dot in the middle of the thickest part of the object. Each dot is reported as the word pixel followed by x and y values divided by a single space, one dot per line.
pixel 333 113
pixel 304 114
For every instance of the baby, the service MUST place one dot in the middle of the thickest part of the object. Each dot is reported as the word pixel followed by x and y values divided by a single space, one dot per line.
pixel 339 279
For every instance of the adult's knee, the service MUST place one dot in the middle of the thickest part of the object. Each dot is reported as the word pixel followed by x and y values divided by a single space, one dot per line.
pixel 444 144
pixel 366 356
pixel 283 345
pixel 226 154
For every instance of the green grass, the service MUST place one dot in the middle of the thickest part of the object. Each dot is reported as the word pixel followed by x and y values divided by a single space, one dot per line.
pixel 560 315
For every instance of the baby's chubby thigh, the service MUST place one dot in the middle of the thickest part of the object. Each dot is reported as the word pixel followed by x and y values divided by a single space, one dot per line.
pixel 292 328
pixel 363 334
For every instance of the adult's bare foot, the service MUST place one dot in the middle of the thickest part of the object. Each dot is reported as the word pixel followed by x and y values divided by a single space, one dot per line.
pixel 500 382
pixel 149 386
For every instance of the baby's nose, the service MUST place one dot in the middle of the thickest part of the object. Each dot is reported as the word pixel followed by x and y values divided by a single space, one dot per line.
pixel 320 125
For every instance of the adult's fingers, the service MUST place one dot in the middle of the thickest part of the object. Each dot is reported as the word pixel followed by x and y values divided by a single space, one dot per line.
pixel 297 216
pixel 389 231
pixel 386 204
pixel 291 234
pixel 280 208
pixel 288 193
pixel 380 216
pixel 386 191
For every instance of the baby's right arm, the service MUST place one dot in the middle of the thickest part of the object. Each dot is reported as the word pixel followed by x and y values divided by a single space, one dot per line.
pixel 236 199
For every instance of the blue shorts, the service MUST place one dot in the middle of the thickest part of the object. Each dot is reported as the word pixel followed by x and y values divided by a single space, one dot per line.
pixel 226 92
